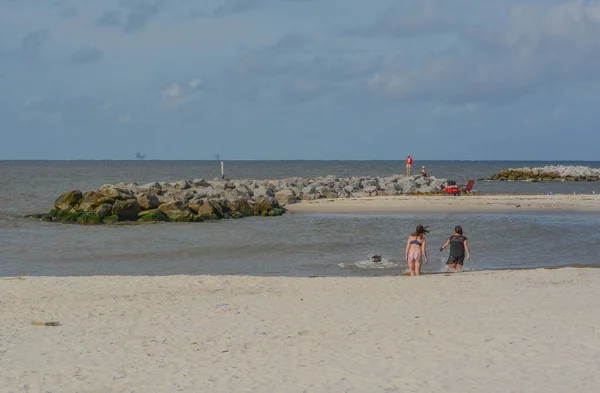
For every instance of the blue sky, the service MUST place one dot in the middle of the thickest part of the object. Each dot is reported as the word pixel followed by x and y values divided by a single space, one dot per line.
pixel 299 79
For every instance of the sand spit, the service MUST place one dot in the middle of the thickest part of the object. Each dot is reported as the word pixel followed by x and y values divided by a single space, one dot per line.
pixel 450 204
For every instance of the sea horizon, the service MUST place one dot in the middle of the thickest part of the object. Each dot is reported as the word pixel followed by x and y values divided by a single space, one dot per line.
pixel 296 160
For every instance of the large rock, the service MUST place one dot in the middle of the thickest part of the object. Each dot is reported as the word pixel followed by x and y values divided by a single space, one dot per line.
pixel 262 192
pixel 68 200
pixel 240 206
pixel 148 202
pixel 92 199
pixel 195 204
pixel 126 210
pixel 390 189
pixel 263 205
pixel 201 183
pixel 104 210
pixel 153 215
pixel 210 209
pixel 285 197
pixel 309 193
pixel 177 211
pixel 115 192
pixel 152 189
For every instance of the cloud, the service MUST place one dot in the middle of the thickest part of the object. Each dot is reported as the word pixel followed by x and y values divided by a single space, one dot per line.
pixel 178 93
pixel 413 18
pixel 109 18
pixel 303 90
pixel 43 104
pixel 536 46
pixel 33 42
pixel 65 9
pixel 86 55
pixel 133 16
pixel 232 7
pixel 237 6
pixel 298 68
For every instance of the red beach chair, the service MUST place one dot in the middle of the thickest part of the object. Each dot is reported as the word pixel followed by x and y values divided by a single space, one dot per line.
pixel 469 187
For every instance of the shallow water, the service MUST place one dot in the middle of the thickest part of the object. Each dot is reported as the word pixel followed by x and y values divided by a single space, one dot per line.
pixel 301 244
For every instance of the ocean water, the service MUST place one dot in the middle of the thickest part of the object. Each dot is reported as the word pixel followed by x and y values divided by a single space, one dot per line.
pixel 301 244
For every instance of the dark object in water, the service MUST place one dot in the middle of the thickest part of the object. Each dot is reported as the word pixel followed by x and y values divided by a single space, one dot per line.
pixel 376 258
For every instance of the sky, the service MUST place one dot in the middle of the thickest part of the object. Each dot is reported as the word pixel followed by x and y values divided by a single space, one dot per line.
pixel 300 79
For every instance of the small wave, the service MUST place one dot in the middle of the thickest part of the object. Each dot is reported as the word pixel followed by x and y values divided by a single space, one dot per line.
pixel 368 264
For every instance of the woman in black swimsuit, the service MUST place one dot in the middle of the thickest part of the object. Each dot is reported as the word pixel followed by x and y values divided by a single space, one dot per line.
pixel 458 248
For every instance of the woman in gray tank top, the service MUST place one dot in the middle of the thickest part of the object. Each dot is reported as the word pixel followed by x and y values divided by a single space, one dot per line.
pixel 458 248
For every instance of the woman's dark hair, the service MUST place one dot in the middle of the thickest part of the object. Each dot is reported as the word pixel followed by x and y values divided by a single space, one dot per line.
pixel 420 231
pixel 458 229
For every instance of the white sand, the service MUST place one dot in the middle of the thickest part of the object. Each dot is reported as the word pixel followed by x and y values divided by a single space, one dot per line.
pixel 503 331
pixel 470 203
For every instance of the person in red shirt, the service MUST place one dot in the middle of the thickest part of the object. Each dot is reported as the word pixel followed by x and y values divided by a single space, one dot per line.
pixel 409 161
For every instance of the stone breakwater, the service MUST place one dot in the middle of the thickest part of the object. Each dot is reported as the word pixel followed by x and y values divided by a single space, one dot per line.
pixel 200 200
pixel 548 173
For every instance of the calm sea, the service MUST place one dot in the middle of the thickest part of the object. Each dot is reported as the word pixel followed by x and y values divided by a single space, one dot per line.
pixel 293 245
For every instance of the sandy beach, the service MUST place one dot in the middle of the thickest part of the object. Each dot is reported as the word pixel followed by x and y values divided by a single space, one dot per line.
pixel 501 331
pixel 449 204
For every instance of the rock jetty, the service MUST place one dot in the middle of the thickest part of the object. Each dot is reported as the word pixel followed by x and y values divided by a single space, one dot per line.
pixel 548 173
pixel 201 200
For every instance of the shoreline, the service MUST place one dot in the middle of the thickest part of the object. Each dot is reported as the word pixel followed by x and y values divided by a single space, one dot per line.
pixel 451 204
pixel 353 334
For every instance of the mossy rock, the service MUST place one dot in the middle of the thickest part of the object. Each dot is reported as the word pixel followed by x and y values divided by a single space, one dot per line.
pixel 89 219
pixel 276 212
pixel 110 219
pixel 68 200
pixel 237 215
pixel 187 217
pixel 208 217
pixel 69 217
pixel 60 214
pixel 153 216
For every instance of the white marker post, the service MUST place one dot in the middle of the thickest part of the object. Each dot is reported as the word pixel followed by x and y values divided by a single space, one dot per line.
pixel 222 171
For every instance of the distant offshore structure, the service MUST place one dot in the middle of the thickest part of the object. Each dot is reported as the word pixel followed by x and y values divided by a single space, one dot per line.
pixel 140 156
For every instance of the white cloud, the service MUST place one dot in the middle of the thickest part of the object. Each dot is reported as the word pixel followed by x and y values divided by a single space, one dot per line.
pixel 194 83
pixel 536 46
pixel 173 91
pixel 177 93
